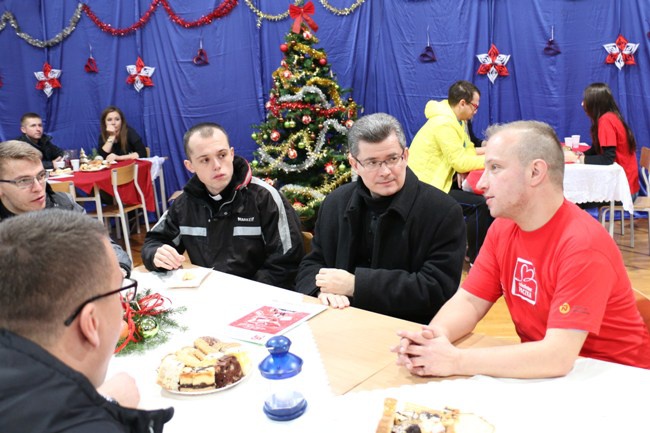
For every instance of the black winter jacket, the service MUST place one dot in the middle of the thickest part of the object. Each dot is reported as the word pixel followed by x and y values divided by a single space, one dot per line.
pixel 417 257
pixel 40 394
pixel 49 150
pixel 253 232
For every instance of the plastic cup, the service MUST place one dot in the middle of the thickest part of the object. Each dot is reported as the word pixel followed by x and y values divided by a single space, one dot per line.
pixel 59 164
pixel 568 142
pixel 576 140
pixel 75 164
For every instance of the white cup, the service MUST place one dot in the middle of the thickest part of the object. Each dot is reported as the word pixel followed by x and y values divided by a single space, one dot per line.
pixel 568 142
pixel 75 164
pixel 59 164
pixel 576 140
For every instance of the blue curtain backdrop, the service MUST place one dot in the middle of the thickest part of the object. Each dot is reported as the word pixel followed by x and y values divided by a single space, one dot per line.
pixel 373 50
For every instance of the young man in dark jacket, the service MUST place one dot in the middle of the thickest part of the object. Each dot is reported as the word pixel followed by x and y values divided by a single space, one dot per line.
pixel 226 219
pixel 31 126
pixel 20 165
pixel 387 243
pixel 58 328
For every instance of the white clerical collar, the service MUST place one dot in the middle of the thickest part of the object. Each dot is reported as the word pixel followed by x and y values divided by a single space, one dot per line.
pixel 216 197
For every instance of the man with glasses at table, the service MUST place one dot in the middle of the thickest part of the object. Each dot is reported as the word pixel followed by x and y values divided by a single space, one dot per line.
pixel 24 188
pixel 61 296
pixel 442 148
pixel 387 243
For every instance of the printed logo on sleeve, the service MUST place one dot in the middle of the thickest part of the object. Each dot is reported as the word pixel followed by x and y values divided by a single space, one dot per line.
pixel 524 284
pixel 565 308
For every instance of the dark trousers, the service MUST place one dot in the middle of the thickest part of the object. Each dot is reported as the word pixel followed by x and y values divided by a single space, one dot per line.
pixel 477 218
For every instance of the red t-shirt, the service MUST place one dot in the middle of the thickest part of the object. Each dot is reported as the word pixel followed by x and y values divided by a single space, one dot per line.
pixel 568 274
pixel 611 132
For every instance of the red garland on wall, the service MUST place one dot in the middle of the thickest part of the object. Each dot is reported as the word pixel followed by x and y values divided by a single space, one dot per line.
pixel 220 11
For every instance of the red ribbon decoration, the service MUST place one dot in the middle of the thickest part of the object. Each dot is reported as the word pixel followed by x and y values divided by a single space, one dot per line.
pixel 493 53
pixel 150 305
pixel 302 13
pixel 91 65
pixel 621 43
pixel 201 58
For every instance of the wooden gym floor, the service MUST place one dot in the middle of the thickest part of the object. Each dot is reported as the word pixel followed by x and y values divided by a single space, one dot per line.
pixel 497 322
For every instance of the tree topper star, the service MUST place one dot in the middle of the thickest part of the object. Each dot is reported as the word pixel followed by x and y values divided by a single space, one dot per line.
pixel 493 64
pixel 621 52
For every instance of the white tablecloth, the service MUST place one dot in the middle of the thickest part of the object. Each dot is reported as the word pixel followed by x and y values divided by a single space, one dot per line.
pixel 597 183
pixel 221 299
pixel 596 397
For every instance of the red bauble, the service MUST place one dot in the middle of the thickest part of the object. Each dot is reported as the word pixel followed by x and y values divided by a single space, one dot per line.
pixel 292 153
pixel 286 74
pixel 307 35
pixel 275 135
pixel 349 123
pixel 269 181
pixel 322 61
pixel 284 48
pixel 329 168
pixel 306 119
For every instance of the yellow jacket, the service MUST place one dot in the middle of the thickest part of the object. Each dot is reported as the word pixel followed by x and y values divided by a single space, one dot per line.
pixel 442 147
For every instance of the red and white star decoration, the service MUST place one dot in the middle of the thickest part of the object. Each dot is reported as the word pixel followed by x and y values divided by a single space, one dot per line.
pixel 48 79
pixel 140 75
pixel 621 52
pixel 493 64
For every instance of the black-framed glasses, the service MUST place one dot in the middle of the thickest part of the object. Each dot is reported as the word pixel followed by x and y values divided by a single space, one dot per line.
pixel 374 165
pixel 128 285
pixel 26 182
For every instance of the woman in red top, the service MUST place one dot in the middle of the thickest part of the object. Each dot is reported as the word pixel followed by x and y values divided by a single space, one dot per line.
pixel 612 139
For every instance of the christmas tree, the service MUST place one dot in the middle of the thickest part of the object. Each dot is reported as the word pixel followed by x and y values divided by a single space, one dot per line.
pixel 303 145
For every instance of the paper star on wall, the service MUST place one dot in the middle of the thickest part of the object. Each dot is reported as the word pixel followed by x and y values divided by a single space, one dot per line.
pixel 48 79
pixel 493 64
pixel 140 75
pixel 621 52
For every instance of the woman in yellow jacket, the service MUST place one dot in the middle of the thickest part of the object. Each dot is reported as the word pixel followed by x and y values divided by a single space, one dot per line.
pixel 442 148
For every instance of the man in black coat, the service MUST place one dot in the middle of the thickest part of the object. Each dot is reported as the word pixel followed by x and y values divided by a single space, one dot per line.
pixel 31 126
pixel 387 243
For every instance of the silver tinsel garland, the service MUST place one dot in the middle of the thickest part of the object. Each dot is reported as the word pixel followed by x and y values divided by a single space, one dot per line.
pixel 301 94
pixel 72 26
pixel 312 156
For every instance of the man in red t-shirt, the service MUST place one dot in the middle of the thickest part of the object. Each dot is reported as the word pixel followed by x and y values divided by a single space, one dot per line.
pixel 561 275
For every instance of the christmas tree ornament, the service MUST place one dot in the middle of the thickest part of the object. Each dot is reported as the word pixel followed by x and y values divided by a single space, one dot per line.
pixel 284 48
pixel 300 14
pixel 286 74
pixel 148 327
pixel 48 79
pixel 621 52
pixel 254 136
pixel 343 167
pixel 275 135
pixel 322 61
pixel 307 35
pixel 201 58
pixel 552 48
pixel 269 181
pixel 91 64
pixel 301 145
pixel 292 153
pixel 292 124
pixel 265 137
pixel 349 123
pixel 296 203
pixel 287 125
pixel 306 119
pixel 140 75
pixel 493 64
pixel 329 168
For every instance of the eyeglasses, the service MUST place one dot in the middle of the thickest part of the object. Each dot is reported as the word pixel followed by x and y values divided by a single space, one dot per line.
pixel 473 105
pixel 28 181
pixel 373 165
pixel 129 296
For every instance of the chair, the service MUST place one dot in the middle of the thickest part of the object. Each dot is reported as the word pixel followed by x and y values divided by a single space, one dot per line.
pixel 306 241
pixel 64 186
pixel 122 176
pixel 641 203
pixel 643 304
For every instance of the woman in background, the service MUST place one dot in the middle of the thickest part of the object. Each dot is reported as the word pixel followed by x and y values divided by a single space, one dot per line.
pixel 612 139
pixel 118 141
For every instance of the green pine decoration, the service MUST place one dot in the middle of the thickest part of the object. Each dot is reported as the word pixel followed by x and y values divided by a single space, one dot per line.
pixel 302 146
